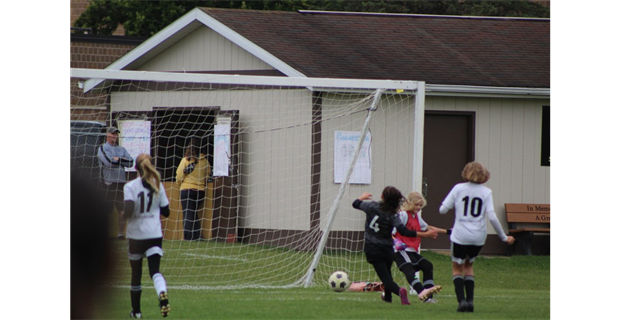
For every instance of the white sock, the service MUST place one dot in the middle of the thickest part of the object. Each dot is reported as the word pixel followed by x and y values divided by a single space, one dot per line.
pixel 160 283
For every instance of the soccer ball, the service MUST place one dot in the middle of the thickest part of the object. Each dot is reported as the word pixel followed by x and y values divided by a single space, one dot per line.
pixel 339 281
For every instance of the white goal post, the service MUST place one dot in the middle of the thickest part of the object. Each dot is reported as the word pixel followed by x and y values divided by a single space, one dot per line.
pixel 288 156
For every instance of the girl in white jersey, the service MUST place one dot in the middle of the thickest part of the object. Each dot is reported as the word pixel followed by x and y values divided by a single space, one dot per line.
pixel 145 200
pixel 473 205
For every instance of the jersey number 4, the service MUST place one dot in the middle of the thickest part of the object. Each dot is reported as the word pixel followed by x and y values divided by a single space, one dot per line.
pixel 476 206
pixel 142 201
pixel 374 225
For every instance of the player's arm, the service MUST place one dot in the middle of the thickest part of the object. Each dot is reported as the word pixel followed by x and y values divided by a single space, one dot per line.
pixel 165 211
pixel 359 202
pixel 406 232
pixel 440 230
pixel 164 203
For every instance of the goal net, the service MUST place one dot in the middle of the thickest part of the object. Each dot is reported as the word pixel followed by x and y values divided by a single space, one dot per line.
pixel 277 207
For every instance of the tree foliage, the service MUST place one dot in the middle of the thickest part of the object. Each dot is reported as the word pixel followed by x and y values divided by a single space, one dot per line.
pixel 145 18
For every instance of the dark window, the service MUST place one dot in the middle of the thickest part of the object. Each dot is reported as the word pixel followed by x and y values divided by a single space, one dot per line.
pixel 545 146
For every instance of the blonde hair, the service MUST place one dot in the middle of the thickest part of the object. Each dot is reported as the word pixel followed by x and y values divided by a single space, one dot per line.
pixel 412 198
pixel 146 169
pixel 475 172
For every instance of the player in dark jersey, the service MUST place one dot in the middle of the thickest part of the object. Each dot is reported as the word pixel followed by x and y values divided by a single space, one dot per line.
pixel 381 219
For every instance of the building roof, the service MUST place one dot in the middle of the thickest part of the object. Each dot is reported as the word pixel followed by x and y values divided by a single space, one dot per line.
pixel 450 50
pixel 440 50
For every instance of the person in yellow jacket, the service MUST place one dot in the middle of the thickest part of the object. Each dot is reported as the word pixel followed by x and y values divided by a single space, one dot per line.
pixel 192 175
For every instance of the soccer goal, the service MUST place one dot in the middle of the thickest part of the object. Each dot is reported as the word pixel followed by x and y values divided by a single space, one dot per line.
pixel 288 156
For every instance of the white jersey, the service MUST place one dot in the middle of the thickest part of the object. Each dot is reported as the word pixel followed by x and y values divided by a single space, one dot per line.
pixel 145 222
pixel 473 205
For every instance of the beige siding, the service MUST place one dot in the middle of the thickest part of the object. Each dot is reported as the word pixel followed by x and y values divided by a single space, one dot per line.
pixel 204 50
pixel 275 174
pixel 508 142
pixel 392 156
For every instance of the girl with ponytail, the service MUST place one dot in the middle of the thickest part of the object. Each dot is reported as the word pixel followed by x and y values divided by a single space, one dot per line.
pixel 145 200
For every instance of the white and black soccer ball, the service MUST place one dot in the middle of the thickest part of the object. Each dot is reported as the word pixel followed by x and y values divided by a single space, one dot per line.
pixel 339 281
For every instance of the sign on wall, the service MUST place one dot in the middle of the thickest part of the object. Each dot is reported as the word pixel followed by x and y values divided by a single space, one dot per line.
pixel 221 150
pixel 135 137
pixel 345 143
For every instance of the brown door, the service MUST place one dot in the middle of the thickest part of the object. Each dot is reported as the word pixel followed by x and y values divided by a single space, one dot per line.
pixel 448 146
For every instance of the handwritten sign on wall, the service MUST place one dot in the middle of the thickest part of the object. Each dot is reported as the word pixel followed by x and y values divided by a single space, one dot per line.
pixel 135 137
pixel 345 143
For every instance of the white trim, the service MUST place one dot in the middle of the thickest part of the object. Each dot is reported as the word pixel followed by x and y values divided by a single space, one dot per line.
pixel 481 91
pixel 242 80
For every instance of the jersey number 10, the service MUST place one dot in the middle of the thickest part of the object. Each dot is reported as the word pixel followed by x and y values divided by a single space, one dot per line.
pixel 476 206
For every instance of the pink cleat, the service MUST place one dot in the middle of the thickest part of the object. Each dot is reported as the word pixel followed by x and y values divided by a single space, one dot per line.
pixel 403 296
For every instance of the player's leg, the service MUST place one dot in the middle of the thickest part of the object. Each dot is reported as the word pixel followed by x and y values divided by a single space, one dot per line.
pixel 384 271
pixel 468 272
pixel 135 261
pixel 403 261
pixel 154 255
pixel 459 256
pixel 429 283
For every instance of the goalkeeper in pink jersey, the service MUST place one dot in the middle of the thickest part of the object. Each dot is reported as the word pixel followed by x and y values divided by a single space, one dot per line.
pixel 408 258
pixel 473 205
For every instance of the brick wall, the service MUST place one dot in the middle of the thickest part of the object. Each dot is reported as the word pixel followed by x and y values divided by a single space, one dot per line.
pixel 77 7
pixel 93 55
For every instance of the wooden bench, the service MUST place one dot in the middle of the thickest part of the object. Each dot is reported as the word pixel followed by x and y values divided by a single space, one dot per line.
pixel 525 219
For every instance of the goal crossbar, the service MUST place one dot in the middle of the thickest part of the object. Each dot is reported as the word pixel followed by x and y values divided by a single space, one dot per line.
pixel 96 75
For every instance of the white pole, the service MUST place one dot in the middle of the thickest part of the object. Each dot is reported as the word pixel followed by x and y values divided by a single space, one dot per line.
pixel 343 186
pixel 418 137
pixel 418 144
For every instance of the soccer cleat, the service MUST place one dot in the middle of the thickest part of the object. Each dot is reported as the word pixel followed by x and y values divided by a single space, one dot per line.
pixel 428 292
pixel 164 305
pixel 403 296
pixel 463 306
pixel 383 297
pixel 135 315
pixel 430 300
pixel 470 306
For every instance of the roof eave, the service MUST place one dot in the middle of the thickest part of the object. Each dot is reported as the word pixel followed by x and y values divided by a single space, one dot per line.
pixel 487 92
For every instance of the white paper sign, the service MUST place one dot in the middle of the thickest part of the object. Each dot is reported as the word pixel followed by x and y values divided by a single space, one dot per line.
pixel 345 143
pixel 135 137
pixel 221 152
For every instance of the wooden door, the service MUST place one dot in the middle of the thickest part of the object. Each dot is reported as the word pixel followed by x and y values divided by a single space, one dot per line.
pixel 448 146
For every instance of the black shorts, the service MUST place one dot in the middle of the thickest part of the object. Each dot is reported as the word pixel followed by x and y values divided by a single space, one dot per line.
pixel 139 249
pixel 402 257
pixel 461 253
pixel 378 252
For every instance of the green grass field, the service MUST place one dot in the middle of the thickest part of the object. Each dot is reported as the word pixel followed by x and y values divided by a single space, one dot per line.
pixel 515 287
